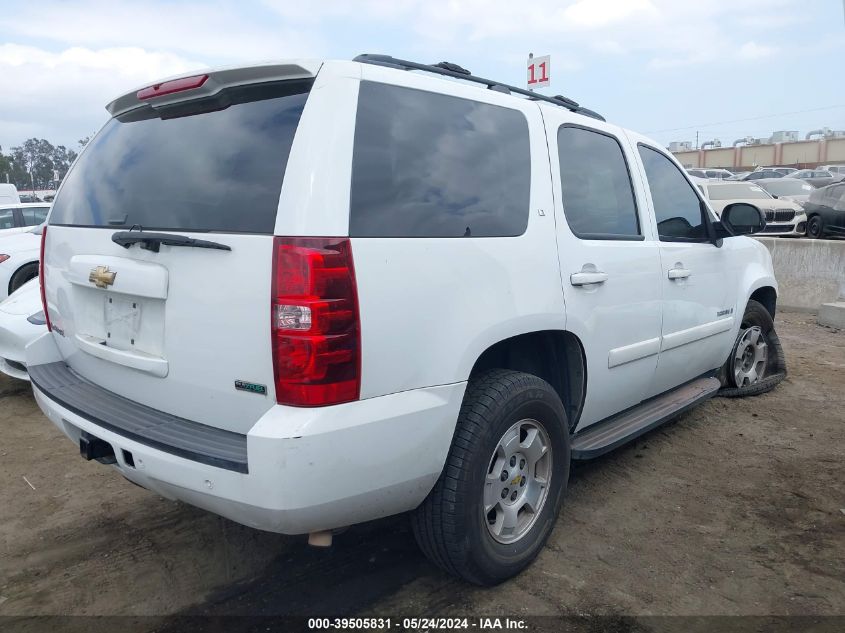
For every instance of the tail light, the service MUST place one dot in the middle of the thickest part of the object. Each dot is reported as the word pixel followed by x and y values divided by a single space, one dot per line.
pixel 171 87
pixel 42 277
pixel 315 322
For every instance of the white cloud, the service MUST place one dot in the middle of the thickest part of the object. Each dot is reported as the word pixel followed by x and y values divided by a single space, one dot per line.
pixel 608 47
pixel 89 51
pixel 598 13
pixel 753 50
pixel 60 94
pixel 213 30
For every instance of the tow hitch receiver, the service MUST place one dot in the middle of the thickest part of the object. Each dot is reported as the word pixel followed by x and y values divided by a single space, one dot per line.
pixel 91 447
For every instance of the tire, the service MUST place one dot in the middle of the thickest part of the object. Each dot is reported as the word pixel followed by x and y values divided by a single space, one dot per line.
pixel 757 328
pixel 25 273
pixel 451 526
pixel 815 228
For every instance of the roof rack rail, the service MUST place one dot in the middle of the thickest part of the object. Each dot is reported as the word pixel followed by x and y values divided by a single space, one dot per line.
pixel 453 70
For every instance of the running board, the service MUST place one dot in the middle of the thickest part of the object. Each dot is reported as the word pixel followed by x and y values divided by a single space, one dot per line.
pixel 608 434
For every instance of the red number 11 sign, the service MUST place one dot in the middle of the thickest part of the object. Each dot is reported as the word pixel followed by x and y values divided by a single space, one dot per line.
pixel 539 71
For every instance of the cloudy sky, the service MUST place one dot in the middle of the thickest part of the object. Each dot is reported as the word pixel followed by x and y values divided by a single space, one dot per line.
pixel 668 68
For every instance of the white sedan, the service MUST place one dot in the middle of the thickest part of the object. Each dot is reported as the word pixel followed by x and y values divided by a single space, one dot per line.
pixel 18 260
pixel 21 321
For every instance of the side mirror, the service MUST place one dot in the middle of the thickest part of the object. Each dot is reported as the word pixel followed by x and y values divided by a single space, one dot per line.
pixel 741 218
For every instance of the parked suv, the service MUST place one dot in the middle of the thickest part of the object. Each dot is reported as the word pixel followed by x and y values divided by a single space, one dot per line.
pixel 826 212
pixel 305 295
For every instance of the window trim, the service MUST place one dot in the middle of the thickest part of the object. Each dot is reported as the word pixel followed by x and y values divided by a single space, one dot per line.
pixel 615 237
pixel 702 205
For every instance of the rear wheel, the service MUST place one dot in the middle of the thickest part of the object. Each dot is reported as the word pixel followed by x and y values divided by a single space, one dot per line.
pixel 815 227
pixel 502 487
pixel 22 275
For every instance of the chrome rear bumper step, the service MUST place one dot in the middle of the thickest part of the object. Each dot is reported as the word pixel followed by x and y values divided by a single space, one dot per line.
pixel 621 428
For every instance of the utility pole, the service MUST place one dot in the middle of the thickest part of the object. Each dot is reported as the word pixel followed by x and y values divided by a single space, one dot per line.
pixel 696 132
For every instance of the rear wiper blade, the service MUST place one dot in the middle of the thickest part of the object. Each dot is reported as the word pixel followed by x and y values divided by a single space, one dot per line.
pixel 153 241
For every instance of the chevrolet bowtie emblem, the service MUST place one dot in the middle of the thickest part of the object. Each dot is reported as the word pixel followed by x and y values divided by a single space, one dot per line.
pixel 101 276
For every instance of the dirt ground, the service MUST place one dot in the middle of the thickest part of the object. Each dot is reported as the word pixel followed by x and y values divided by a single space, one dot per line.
pixel 738 508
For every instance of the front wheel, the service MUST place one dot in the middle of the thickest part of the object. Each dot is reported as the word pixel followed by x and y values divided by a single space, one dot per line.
pixel 756 364
pixel 815 228
pixel 502 487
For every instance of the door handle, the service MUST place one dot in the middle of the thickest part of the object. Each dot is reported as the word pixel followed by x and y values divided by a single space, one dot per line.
pixel 588 278
pixel 679 273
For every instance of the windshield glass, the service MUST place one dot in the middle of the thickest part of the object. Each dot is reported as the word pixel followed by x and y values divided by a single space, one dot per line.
pixel 787 187
pixel 738 191
pixel 213 164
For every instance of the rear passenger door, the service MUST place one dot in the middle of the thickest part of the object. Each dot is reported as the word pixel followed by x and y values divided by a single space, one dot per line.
pixel 698 284
pixel 609 260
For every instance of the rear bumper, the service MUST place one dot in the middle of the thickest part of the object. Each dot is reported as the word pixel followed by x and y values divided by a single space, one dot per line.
pixel 308 469
pixel 15 333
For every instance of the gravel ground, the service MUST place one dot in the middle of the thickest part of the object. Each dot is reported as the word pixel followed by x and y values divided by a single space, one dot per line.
pixel 738 508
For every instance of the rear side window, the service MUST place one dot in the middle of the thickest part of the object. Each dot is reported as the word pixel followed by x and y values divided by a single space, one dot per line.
pixel 213 164
pixel 431 165
pixel 598 198
pixel 7 219
pixel 679 211
pixel 33 216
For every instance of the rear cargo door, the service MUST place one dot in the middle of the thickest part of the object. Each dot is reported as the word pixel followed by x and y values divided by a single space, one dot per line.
pixel 159 252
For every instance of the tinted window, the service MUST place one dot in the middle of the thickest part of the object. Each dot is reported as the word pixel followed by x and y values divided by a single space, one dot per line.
pixel 598 200
pixel 7 219
pixel 33 216
pixel 429 165
pixel 207 165
pixel 676 205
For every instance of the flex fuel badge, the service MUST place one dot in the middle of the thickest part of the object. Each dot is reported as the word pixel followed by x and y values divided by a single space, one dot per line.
pixel 251 387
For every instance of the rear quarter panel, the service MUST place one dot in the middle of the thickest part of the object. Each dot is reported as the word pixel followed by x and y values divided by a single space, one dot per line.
pixel 431 306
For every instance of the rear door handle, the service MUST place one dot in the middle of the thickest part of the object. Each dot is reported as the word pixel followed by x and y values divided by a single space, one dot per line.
pixel 679 273
pixel 587 278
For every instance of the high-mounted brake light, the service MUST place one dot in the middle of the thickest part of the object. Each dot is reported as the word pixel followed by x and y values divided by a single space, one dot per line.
pixel 315 322
pixel 42 275
pixel 169 87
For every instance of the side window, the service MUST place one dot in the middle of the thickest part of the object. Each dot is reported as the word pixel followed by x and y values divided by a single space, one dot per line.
pixel 7 219
pixel 431 165
pixel 33 216
pixel 598 198
pixel 678 209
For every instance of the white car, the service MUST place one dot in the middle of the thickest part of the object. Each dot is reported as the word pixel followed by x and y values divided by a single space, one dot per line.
pixel 18 260
pixel 783 216
pixel 9 194
pixel 714 174
pixel 19 218
pixel 21 321
pixel 787 188
pixel 432 296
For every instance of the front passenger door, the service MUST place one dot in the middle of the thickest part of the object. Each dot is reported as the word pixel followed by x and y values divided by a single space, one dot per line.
pixel 698 283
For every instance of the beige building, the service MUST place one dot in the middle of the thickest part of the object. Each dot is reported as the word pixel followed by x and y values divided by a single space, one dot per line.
pixel 796 154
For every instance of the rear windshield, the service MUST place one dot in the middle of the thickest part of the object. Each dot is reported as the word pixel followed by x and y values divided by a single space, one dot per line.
pixel 213 164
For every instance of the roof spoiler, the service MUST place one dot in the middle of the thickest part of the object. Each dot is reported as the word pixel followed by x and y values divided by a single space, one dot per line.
pixel 216 80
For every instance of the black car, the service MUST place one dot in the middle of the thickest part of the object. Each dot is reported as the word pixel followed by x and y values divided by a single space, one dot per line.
pixel 826 211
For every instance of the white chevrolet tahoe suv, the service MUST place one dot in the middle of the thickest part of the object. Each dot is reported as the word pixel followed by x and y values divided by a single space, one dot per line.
pixel 305 295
